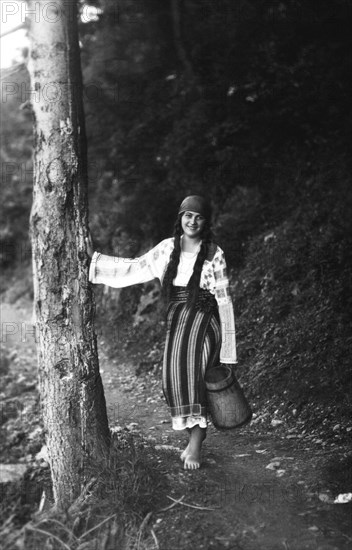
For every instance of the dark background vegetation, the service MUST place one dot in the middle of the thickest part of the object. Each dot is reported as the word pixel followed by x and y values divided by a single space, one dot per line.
pixel 249 103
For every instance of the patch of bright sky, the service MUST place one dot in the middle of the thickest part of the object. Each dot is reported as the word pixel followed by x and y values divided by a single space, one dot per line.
pixel 13 13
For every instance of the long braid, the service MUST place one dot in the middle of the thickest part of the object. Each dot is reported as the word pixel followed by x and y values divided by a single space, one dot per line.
pixel 171 270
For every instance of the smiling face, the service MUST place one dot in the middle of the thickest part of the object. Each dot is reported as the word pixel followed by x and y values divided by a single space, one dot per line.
pixel 192 224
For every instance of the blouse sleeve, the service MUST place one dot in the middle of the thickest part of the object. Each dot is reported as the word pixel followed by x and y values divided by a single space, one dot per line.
pixel 227 319
pixel 120 272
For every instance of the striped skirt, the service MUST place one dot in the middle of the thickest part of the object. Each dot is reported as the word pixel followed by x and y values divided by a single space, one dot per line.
pixel 193 340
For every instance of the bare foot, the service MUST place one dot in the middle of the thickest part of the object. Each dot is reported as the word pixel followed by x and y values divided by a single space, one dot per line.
pixel 192 462
pixel 191 455
pixel 185 453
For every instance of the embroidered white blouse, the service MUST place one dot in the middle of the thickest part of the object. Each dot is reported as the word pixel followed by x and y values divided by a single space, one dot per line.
pixel 121 272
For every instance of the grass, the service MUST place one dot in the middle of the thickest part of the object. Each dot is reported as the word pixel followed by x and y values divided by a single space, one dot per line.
pixel 113 510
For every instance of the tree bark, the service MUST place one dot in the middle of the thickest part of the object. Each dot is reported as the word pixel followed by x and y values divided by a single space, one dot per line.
pixel 73 402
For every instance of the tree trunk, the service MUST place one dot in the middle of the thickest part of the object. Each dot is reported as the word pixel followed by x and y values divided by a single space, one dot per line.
pixel 71 390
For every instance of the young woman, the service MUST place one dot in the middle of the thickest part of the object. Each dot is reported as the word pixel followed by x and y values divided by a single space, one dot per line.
pixel 200 321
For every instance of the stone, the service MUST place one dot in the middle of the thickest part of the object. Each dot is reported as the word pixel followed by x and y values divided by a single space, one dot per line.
pixel 11 472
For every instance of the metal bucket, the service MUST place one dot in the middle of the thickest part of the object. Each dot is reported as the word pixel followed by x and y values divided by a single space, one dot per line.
pixel 227 403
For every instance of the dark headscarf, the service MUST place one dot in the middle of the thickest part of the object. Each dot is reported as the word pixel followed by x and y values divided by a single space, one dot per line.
pixel 196 203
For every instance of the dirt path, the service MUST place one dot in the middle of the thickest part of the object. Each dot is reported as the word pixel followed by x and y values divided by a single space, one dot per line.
pixel 246 504
pixel 268 489
pixel 254 507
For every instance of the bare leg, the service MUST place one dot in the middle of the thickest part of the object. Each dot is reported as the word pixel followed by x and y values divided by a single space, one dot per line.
pixel 191 454
pixel 185 452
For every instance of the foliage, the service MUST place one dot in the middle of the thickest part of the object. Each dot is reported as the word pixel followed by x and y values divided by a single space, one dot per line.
pixel 16 168
pixel 108 513
pixel 222 103
pixel 292 302
pixel 185 97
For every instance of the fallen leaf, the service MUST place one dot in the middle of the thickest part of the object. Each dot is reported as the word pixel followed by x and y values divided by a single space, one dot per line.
pixel 240 456
pixel 273 465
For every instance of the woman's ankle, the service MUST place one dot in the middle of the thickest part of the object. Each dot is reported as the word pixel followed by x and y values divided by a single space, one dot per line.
pixel 197 434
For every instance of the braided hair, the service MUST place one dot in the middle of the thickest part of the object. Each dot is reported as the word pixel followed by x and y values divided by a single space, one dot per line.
pixel 171 270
